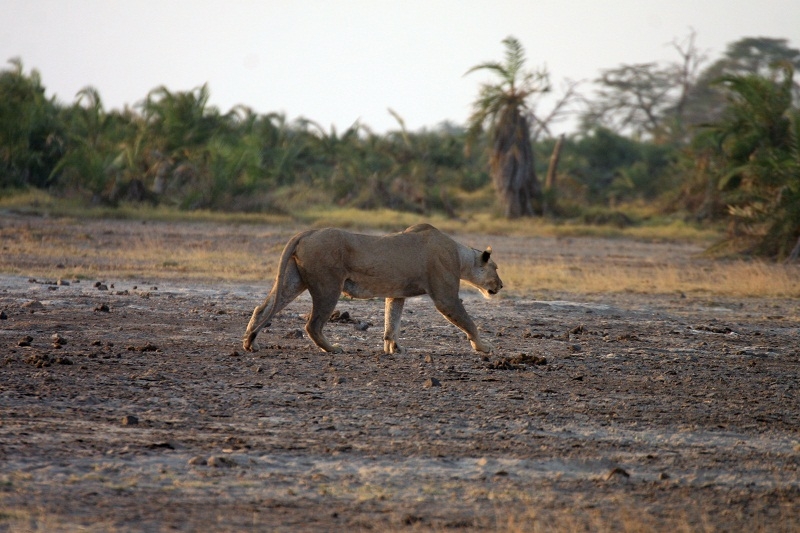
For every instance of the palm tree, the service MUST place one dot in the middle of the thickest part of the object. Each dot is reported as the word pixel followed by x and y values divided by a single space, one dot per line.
pixel 759 161
pixel 504 106
pixel 31 129
pixel 181 121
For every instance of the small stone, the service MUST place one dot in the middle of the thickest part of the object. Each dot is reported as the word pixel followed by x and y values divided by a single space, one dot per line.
pixel 3 315
pixel 220 461
pixel 338 380
pixel 340 316
pixel 58 339
pixel 504 364
pixel 432 382
pixel 197 460
pixel 428 359
pixel 362 326
pixel 663 475
pixel 617 472
pixel 39 360
pixel 102 287
pixel 35 304
pixel 25 341
pixel 103 308
pixel 62 282
pixel 410 520
pixel 294 334
pixel 129 420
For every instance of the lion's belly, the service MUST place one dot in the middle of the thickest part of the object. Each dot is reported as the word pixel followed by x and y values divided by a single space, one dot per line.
pixel 365 288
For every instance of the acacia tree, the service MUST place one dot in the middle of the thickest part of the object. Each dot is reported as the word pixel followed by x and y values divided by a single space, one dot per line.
pixel 648 100
pixel 503 105
pixel 706 100
pixel 632 98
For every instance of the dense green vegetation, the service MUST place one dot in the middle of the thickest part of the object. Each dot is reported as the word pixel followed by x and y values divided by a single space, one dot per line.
pixel 716 145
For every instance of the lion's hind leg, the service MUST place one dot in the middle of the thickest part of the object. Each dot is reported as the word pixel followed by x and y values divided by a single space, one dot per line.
pixel 284 291
pixel 324 300
pixel 257 322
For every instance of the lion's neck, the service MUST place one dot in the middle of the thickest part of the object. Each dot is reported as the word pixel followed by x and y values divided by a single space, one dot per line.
pixel 466 258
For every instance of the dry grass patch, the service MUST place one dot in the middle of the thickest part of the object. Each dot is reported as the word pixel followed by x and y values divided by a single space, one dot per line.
pixel 489 224
pixel 224 251
pixel 730 278
pixel 480 219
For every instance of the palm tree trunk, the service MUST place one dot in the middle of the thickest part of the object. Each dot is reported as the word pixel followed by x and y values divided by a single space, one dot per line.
pixel 512 169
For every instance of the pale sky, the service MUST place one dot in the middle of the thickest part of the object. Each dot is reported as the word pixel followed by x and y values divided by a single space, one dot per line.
pixel 341 61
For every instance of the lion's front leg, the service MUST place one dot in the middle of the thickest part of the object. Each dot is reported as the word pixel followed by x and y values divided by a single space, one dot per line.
pixel 480 345
pixel 394 311
pixel 453 310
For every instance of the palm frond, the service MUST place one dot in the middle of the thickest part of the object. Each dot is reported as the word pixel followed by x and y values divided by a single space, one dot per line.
pixel 515 56
pixel 490 65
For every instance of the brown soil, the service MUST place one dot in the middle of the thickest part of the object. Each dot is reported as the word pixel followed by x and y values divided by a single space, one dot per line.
pixel 135 408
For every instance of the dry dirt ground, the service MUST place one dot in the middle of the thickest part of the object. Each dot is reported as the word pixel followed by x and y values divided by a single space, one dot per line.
pixel 135 409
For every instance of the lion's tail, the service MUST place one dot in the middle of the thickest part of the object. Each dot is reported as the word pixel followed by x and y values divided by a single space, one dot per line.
pixel 286 256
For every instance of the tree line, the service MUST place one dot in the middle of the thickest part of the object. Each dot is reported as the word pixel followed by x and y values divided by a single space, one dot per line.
pixel 716 141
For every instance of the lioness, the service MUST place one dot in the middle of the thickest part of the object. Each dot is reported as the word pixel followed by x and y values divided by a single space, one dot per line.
pixel 420 260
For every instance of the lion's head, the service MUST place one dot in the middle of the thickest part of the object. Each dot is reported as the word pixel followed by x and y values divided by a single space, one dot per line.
pixel 483 273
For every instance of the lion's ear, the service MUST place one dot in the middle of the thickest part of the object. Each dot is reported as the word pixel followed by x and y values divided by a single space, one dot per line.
pixel 485 255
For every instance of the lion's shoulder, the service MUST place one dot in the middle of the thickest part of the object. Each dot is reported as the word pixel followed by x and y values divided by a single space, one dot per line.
pixel 421 228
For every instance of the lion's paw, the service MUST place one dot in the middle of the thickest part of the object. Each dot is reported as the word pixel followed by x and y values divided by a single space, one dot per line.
pixel 250 346
pixel 482 346
pixel 336 348
pixel 391 347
